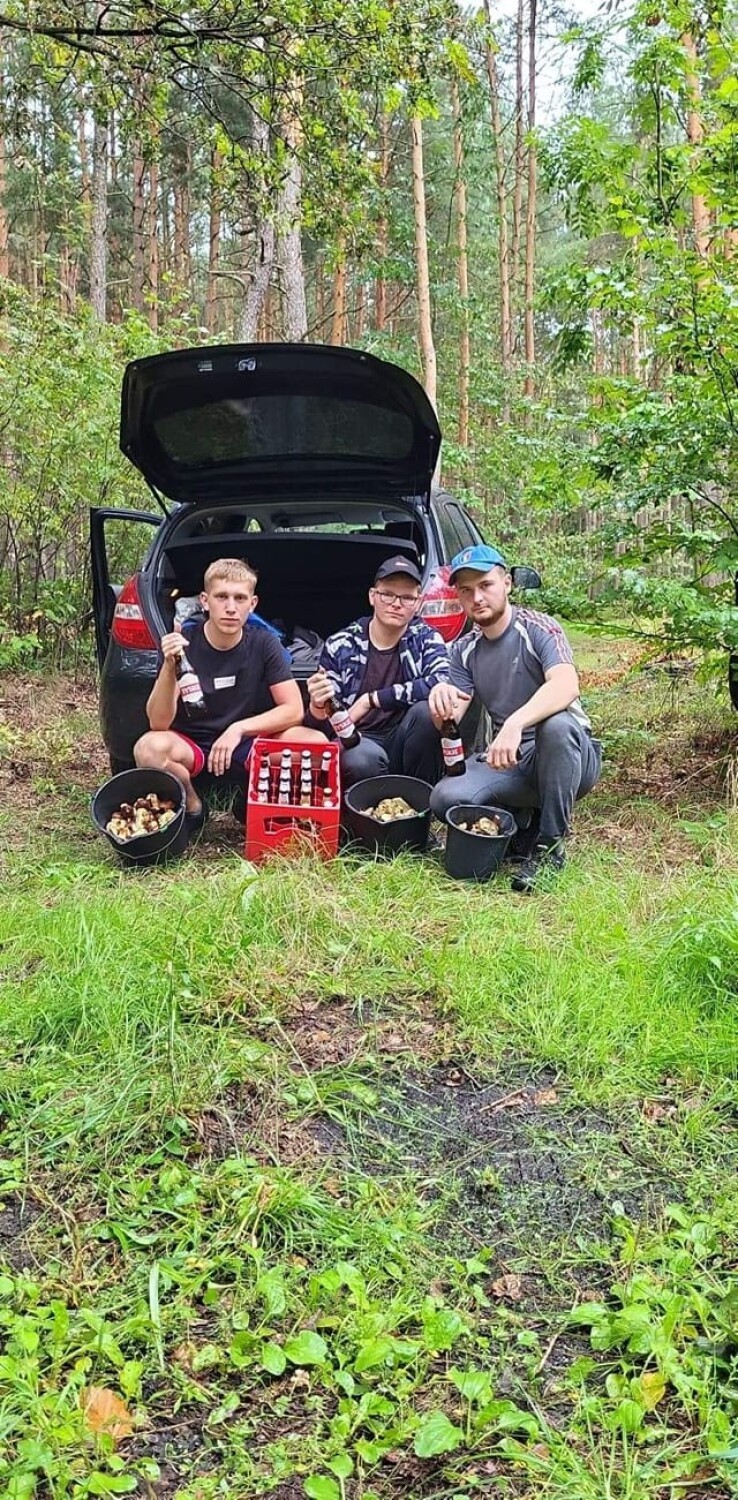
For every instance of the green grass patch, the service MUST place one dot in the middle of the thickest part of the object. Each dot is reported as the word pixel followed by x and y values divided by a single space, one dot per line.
pixel 348 1181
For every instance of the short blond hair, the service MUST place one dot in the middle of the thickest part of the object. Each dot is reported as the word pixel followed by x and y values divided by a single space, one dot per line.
pixel 231 570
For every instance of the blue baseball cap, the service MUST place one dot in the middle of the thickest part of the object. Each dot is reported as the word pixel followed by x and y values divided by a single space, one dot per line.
pixel 480 558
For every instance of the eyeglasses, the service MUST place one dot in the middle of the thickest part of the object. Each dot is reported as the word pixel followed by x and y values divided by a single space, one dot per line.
pixel 404 599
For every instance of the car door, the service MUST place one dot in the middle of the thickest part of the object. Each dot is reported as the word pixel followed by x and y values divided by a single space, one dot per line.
pixel 126 550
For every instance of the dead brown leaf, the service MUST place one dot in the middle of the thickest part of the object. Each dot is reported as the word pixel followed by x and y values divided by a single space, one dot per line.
pixel 508 1288
pixel 653 1111
pixel 106 1413
pixel 543 1097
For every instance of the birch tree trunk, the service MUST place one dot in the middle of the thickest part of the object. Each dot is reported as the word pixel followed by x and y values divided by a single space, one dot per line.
pixel 462 268
pixel 99 220
pixel 501 190
pixel 425 320
pixel 530 218
pixel 290 221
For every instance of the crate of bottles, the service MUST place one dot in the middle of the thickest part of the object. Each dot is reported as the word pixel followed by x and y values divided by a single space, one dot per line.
pixel 294 798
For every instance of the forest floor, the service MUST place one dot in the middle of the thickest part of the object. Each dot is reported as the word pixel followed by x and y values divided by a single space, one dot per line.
pixel 348 1182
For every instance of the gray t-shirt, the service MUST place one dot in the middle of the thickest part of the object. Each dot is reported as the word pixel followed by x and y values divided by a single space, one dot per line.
pixel 506 672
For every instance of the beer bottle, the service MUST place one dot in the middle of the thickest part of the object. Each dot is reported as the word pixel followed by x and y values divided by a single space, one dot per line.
pixel 342 725
pixel 262 790
pixel 190 692
pixel 453 750
pixel 284 793
pixel 323 779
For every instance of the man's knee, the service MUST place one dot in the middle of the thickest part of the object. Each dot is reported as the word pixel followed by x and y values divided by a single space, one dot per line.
pixel 367 759
pixel 419 716
pixel 452 790
pixel 559 735
pixel 558 729
pixel 152 749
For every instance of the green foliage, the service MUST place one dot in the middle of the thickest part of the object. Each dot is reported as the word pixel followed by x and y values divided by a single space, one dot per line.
pixel 59 411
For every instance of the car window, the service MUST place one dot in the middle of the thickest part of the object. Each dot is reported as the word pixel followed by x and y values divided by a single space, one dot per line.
pixel 464 526
pixel 452 542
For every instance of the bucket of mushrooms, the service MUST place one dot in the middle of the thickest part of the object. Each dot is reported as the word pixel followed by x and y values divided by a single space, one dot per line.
pixel 142 815
pixel 477 840
pixel 385 814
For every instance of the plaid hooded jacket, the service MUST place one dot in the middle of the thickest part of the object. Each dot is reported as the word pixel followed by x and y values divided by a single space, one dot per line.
pixel 423 662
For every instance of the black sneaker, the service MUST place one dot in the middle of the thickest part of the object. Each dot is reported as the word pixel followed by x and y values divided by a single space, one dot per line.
pixel 523 842
pixel 543 858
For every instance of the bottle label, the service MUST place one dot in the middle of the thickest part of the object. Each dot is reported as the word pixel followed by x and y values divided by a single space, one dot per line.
pixel 343 724
pixel 189 687
pixel 453 751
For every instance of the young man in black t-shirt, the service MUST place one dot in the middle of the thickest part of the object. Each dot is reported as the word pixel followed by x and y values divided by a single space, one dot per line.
pixel 235 663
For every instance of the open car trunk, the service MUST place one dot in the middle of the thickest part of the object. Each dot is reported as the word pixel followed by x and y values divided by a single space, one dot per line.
pixel 307 581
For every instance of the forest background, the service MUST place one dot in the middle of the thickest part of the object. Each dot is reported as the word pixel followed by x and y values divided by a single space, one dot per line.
pixel 532 207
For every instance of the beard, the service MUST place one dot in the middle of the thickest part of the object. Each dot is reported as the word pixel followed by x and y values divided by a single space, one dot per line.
pixel 488 614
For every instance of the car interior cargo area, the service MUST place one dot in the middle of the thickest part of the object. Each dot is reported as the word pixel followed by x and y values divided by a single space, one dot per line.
pixel 313 580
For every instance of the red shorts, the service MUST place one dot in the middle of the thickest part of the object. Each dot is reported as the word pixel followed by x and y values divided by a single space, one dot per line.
pixel 238 759
pixel 197 751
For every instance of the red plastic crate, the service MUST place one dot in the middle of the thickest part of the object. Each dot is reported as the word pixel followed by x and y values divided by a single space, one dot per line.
pixel 287 826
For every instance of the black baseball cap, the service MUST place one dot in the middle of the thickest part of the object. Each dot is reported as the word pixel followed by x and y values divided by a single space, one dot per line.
pixel 398 565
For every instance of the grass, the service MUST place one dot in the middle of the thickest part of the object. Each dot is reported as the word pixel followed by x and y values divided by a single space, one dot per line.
pixel 348 1182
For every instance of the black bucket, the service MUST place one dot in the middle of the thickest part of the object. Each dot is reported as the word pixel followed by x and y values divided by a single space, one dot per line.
pixel 145 848
pixel 476 856
pixel 388 838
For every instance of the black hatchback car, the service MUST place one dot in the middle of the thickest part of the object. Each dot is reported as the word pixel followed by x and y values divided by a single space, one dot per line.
pixel 312 463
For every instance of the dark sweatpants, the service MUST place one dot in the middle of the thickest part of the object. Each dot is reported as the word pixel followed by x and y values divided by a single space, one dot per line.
pixel 556 768
pixel 411 747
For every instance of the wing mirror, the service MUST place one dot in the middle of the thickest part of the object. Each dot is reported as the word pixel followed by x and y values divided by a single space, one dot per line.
pixel 525 578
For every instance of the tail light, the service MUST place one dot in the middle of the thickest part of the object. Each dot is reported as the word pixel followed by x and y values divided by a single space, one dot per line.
pixel 440 606
pixel 129 627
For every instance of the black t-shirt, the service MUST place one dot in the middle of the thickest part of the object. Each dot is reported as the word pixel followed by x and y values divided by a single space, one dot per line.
pixel 235 683
pixel 382 670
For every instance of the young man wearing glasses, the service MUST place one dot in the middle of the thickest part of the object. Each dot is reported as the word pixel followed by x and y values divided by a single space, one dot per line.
pixel 382 669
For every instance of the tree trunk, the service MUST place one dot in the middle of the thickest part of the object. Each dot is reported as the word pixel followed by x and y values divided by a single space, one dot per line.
pixel 338 321
pixel 519 171
pixel 319 298
pixel 501 189
pixel 427 346
pixel 290 238
pixel 380 289
pixel 182 225
pixel 462 268
pixel 154 245
pixel 139 227
pixel 84 156
pixel 258 276
pixel 99 221
pixel 4 227
pixel 359 311
pixel 530 218
pixel 695 134
pixel 211 299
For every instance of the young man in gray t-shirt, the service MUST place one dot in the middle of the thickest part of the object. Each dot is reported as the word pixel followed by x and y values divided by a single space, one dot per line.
pixel 518 662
